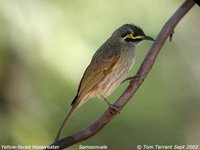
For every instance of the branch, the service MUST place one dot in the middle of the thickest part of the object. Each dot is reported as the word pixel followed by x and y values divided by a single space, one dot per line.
pixel 133 86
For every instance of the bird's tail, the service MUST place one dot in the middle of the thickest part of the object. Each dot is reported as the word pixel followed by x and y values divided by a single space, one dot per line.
pixel 68 117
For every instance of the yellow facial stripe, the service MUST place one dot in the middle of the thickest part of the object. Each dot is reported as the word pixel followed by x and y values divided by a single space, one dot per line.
pixel 139 37
pixel 130 36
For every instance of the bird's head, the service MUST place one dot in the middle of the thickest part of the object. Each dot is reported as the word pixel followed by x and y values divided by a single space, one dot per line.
pixel 132 34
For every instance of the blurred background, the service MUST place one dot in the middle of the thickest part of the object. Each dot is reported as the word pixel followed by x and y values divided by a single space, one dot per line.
pixel 45 47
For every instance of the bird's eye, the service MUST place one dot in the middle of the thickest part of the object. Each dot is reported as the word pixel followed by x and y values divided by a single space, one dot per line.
pixel 127 33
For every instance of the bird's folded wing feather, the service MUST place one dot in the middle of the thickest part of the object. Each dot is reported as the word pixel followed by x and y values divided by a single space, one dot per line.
pixel 97 70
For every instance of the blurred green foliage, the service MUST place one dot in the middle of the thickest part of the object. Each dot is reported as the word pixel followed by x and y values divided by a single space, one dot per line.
pixel 45 47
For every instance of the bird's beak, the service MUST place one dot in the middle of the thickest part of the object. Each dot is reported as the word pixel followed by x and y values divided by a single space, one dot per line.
pixel 130 36
pixel 148 38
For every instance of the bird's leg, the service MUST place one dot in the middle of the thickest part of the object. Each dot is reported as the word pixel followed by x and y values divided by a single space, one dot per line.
pixel 112 106
pixel 135 78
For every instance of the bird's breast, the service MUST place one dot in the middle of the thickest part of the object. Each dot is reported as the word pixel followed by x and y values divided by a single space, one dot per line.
pixel 119 72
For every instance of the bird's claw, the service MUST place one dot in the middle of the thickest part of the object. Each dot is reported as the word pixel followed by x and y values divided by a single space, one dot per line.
pixel 135 78
pixel 114 107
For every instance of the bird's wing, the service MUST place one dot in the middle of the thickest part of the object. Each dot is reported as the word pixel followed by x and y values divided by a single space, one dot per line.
pixel 101 65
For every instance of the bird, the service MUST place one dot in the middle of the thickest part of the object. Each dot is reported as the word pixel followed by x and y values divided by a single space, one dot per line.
pixel 108 68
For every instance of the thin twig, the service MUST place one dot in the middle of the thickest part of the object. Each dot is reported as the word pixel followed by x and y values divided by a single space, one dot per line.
pixel 133 86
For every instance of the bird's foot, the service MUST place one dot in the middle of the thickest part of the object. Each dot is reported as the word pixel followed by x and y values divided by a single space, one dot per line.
pixel 112 106
pixel 135 78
